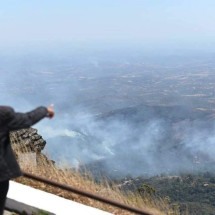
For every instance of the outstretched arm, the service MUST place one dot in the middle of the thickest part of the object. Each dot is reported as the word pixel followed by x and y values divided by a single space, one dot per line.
pixel 26 120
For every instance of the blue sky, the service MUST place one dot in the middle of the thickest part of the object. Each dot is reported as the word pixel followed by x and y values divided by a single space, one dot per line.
pixel 172 22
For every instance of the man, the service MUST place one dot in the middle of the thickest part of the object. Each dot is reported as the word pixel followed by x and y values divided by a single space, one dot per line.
pixel 10 121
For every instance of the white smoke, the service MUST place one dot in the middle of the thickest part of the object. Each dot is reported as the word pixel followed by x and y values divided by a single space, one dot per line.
pixel 80 137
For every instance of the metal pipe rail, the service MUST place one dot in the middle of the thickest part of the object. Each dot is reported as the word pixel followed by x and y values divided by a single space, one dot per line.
pixel 86 194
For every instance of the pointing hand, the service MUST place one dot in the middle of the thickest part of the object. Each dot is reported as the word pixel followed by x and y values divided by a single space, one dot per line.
pixel 51 112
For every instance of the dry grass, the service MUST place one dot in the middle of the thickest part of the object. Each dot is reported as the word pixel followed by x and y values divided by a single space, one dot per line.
pixel 64 175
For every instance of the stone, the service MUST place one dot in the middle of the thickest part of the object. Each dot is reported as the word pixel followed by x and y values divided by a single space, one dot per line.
pixel 27 145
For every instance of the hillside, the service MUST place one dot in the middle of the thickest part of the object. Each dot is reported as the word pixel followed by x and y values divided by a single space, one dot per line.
pixel 194 194
pixel 156 206
pixel 167 133
pixel 27 145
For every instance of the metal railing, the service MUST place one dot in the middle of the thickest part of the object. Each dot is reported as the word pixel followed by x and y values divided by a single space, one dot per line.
pixel 86 194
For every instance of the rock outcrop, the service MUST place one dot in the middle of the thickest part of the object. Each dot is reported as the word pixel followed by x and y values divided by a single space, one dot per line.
pixel 28 145
pixel 27 140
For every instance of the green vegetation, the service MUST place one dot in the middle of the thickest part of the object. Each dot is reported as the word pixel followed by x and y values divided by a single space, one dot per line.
pixel 193 194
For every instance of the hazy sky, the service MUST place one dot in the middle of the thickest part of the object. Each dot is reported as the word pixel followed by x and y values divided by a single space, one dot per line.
pixel 170 22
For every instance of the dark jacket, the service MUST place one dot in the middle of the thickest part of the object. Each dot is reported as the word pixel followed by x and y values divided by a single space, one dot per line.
pixel 9 121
